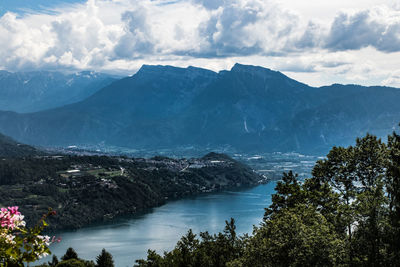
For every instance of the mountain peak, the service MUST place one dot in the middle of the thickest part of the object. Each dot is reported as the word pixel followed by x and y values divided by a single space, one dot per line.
pixel 153 68
pixel 146 67
pixel 265 73
pixel 247 68
pixel 166 70
pixel 253 70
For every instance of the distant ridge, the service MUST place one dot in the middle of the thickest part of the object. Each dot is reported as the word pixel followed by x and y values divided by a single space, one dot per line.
pixel 11 148
pixel 39 90
pixel 246 109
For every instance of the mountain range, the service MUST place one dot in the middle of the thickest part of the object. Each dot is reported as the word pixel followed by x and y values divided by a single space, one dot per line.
pixel 39 90
pixel 248 109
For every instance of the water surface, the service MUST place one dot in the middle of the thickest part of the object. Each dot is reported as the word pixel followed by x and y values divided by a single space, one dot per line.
pixel 128 239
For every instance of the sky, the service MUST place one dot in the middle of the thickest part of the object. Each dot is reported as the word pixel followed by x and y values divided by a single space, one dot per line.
pixel 318 42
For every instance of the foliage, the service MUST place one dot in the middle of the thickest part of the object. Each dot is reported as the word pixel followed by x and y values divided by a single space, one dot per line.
pixel 209 250
pixel 54 261
pixel 105 259
pixel 71 263
pixel 298 236
pixel 392 182
pixel 71 258
pixel 69 254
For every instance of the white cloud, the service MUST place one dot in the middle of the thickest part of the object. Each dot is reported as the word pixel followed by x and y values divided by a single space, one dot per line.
pixel 393 79
pixel 138 37
pixel 352 45
pixel 378 27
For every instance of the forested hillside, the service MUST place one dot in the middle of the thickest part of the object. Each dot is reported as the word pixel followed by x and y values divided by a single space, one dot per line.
pixel 11 148
pixel 87 189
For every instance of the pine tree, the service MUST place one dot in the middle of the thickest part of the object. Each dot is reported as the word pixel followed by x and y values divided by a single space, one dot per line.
pixel 105 259
pixel 70 254
pixel 54 261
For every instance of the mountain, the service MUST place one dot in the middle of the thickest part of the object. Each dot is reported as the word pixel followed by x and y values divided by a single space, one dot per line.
pixel 248 109
pixel 141 107
pixel 10 148
pixel 39 90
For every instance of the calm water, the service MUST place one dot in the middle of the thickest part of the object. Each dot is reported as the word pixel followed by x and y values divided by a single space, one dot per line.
pixel 160 229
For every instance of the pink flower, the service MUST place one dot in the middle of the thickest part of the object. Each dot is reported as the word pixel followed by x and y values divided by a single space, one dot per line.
pixel 55 239
pixel 14 210
pixel 11 218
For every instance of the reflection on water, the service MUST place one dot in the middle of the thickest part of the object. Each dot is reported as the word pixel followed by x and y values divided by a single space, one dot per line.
pixel 128 239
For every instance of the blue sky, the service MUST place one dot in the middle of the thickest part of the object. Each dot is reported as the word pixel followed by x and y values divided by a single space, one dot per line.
pixel 24 6
pixel 315 41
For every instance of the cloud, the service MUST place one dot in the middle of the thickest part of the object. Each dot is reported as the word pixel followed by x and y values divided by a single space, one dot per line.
pixel 228 30
pixel 393 79
pixel 138 37
pixel 120 35
pixel 20 45
pixel 75 38
pixel 89 35
pixel 249 27
pixel 378 27
pixel 311 38
pixel 298 65
pixel 210 4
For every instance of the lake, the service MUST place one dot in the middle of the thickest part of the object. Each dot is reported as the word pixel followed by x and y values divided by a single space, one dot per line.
pixel 128 239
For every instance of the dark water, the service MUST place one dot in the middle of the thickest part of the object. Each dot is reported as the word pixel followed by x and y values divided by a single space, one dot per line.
pixel 160 229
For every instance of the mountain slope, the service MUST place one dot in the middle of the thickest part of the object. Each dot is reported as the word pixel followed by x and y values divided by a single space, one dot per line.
pixel 39 90
pixel 10 148
pixel 247 108
pixel 355 111
pixel 142 102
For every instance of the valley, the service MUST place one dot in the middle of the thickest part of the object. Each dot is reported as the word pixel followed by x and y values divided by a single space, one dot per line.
pixel 271 164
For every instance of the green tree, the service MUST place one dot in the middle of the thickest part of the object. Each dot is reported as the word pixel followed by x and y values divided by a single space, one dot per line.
pixel 153 260
pixel 298 236
pixel 210 250
pixel 358 174
pixel 54 261
pixel 288 195
pixel 339 171
pixel 105 259
pixel 71 263
pixel 70 254
pixel 371 201
pixel 370 157
pixel 371 213
pixel 183 255
pixel 393 191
